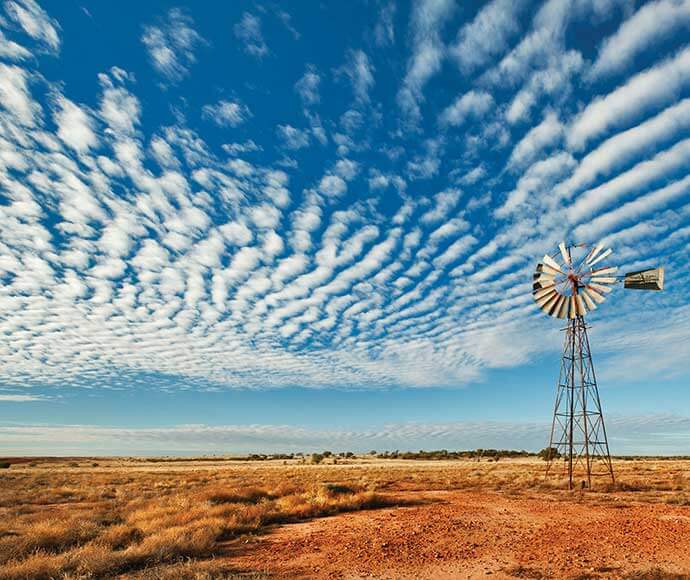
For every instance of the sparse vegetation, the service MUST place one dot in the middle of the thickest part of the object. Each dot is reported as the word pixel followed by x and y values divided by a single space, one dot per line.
pixel 134 516
pixel 549 453
pixel 66 522
pixel 445 455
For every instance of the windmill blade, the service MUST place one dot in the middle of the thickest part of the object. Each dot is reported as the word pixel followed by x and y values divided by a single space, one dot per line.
pixel 581 310
pixel 539 286
pixel 543 280
pixel 563 309
pixel 564 252
pixel 572 308
pixel 600 257
pixel 593 294
pixel 645 280
pixel 549 261
pixel 604 271
pixel 556 306
pixel 588 300
pixel 603 280
pixel 595 250
pixel 538 294
pixel 544 299
pixel 548 305
pixel 544 269
pixel 599 288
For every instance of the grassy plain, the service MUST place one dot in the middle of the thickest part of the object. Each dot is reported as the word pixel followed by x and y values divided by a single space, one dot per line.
pixel 129 517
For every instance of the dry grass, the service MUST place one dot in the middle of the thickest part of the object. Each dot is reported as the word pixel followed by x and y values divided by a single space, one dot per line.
pixel 174 519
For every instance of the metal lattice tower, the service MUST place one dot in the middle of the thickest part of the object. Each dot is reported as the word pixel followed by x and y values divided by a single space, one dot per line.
pixel 578 431
pixel 566 285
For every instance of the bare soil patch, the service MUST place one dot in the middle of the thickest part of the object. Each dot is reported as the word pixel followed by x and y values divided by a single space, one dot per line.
pixel 470 534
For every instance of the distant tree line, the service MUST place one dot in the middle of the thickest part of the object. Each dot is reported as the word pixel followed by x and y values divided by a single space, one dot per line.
pixel 444 454
pixel 439 454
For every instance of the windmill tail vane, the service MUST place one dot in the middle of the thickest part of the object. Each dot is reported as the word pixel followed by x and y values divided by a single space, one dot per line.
pixel 567 284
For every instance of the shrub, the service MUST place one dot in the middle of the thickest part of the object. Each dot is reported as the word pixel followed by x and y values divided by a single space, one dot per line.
pixel 5 464
pixel 549 453
pixel 316 458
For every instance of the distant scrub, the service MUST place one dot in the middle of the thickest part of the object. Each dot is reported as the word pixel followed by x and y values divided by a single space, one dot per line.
pixel 444 454
pixel 549 453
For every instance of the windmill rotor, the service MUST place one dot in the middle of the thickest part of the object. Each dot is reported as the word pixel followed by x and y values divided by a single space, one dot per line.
pixel 576 278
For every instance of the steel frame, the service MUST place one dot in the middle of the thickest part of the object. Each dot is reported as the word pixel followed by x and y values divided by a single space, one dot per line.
pixel 578 431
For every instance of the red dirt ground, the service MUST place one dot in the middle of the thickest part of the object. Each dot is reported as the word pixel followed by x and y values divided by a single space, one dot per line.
pixel 463 534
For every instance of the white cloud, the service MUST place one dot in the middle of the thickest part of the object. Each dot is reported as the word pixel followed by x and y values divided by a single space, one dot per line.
pixel 75 126
pixel 427 55
pixel 226 113
pixel 11 50
pixel 286 19
pixel 625 146
pixel 172 45
pixel 361 74
pixel 14 95
pixel 247 146
pixel 307 87
pixel 535 181
pixel 443 203
pixel 471 105
pixel 553 80
pixel 119 108
pixel 488 34
pixel 248 32
pixel 35 22
pixel 545 135
pixel 653 22
pixel 384 31
pixel 473 176
pixel 653 88
pixel 632 181
pixel 542 44
pixel 347 169
pixel 332 185
pixel 12 398
pixel 456 250
pixel 634 210
pixel 426 165
pixel 292 137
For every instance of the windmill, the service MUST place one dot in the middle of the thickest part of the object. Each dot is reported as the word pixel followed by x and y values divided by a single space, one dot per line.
pixel 566 285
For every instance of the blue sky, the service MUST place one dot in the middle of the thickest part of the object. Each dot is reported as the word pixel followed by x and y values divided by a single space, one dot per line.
pixel 263 226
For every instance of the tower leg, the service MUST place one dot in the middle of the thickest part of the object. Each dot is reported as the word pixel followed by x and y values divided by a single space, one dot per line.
pixel 578 434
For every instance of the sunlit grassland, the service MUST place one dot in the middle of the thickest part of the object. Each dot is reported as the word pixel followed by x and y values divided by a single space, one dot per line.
pixel 165 519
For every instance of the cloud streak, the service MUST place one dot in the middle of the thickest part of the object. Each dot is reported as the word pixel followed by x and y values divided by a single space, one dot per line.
pixel 626 432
